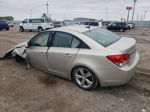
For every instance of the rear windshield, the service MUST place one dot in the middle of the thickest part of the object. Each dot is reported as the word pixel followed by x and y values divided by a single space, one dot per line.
pixel 102 36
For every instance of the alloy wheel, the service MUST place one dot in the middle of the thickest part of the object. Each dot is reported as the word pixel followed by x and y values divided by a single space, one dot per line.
pixel 84 78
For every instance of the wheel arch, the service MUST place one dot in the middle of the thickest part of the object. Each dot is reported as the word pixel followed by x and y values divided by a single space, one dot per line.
pixel 86 66
pixel 39 27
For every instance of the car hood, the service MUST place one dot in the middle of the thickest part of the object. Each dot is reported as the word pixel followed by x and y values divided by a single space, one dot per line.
pixel 23 44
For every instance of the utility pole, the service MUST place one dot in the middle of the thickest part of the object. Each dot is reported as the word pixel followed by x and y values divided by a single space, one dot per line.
pixel 144 15
pixel 106 14
pixel 47 5
pixel 128 8
pixel 137 18
pixel 133 9
pixel 31 13
pixel 128 15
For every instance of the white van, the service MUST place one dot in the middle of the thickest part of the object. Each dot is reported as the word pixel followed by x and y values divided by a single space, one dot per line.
pixel 38 24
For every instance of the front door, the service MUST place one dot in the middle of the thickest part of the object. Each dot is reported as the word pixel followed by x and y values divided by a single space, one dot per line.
pixel 36 52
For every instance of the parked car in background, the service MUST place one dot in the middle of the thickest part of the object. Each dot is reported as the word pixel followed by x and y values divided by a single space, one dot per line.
pixel 10 23
pixel 58 24
pixel 118 26
pixel 97 24
pixel 105 23
pixel 4 25
pixel 88 56
pixel 131 25
pixel 38 24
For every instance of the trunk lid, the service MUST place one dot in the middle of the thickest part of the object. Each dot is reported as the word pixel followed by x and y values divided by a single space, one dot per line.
pixel 125 45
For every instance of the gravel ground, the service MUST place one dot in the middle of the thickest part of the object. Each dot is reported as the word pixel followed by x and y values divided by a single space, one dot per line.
pixel 23 90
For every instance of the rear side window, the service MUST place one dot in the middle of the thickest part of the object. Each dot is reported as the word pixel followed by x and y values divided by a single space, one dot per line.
pixel 36 21
pixel 62 40
pixel 102 36
pixel 75 43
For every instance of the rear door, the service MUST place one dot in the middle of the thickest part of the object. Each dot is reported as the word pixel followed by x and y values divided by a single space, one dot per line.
pixel 37 50
pixel 118 26
pixel 62 52
pixel 112 26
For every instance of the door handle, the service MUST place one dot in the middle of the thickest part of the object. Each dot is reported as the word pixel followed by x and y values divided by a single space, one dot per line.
pixel 43 53
pixel 68 54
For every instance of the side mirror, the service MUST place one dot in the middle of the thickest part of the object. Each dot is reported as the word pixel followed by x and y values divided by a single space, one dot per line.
pixel 28 44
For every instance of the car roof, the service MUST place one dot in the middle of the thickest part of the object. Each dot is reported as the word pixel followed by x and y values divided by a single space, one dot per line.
pixel 76 28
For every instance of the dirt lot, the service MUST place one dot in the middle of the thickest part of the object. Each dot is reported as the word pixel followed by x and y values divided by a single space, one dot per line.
pixel 23 90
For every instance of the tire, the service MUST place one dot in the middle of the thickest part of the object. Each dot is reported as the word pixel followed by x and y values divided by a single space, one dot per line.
pixel 129 28
pixel 7 28
pixel 21 29
pixel 84 78
pixel 19 59
pixel 121 30
pixel 40 29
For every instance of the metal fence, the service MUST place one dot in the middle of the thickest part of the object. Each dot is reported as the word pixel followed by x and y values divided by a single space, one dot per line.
pixel 142 23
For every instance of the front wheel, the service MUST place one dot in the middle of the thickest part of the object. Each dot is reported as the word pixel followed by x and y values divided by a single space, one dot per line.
pixel 19 59
pixel 21 29
pixel 84 78
pixel 7 28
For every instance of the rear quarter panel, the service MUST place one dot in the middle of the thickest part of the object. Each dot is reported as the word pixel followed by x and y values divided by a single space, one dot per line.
pixel 92 59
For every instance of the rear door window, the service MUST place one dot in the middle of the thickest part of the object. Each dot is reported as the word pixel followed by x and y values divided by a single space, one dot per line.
pixel 62 40
pixel 75 43
pixel 65 40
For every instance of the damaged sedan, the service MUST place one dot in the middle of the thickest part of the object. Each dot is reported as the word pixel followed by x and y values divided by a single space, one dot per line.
pixel 88 56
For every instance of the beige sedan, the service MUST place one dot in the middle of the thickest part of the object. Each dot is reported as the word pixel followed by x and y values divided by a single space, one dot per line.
pixel 88 56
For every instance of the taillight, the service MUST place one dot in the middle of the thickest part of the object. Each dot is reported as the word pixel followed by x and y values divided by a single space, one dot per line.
pixel 119 60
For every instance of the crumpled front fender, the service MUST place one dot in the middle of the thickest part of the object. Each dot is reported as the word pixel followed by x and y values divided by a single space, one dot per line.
pixel 8 54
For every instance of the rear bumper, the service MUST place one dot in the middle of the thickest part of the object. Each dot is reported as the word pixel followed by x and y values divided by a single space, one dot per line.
pixel 117 76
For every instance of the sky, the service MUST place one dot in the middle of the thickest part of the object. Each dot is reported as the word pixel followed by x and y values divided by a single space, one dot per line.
pixel 69 9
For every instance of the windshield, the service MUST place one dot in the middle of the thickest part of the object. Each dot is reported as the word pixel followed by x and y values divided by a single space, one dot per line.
pixel 102 36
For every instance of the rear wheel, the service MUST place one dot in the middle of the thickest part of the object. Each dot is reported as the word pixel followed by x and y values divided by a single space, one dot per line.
pixel 84 78
pixel 129 28
pixel 40 29
pixel 121 30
